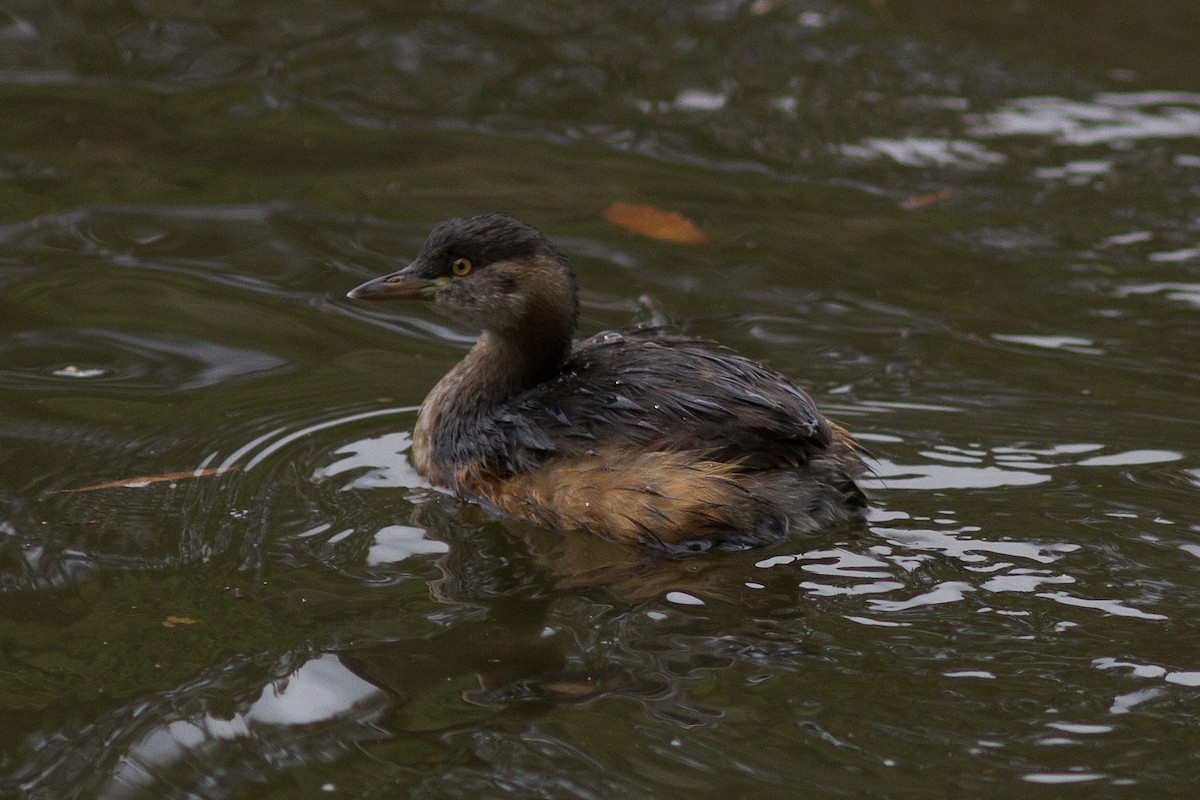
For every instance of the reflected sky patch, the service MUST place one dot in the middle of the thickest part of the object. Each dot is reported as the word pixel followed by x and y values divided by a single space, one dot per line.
pixel 319 691
pixel 1107 117
pixel 1074 344
pixel 888 474
pixel 377 462
pixel 1179 292
pixel 952 467
pixel 395 543
pixel 915 151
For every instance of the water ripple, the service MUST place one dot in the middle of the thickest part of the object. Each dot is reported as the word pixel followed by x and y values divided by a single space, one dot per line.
pixel 137 363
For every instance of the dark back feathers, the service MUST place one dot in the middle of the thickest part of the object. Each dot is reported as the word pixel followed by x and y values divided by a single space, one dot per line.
pixel 661 392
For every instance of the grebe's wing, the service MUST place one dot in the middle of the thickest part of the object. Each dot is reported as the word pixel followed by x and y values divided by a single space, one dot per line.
pixel 653 391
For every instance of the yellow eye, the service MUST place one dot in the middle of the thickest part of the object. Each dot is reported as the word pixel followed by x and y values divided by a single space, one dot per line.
pixel 461 266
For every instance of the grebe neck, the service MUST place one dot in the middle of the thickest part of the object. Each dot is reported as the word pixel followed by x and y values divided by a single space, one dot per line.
pixel 501 366
pixel 498 368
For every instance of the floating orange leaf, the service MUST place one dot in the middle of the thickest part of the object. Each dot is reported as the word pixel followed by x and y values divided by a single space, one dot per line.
pixel 143 480
pixel 173 621
pixel 655 223
pixel 924 200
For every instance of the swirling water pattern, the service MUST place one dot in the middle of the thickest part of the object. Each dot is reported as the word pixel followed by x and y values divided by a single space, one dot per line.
pixel 971 232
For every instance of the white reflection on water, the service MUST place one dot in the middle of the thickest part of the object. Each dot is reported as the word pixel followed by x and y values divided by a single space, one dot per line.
pixel 397 542
pixel 1174 256
pixel 1131 457
pixel 700 100
pixel 845 563
pixel 383 460
pixel 877 623
pixel 944 592
pixel 72 371
pixel 1132 237
pixel 886 565
pixel 877 587
pixel 1137 670
pixel 952 542
pixel 1124 702
pixel 1107 117
pixel 1015 466
pixel 1058 778
pixel 686 100
pixel 321 690
pixel 1052 450
pixel 1021 580
pixel 916 151
pixel 890 475
pixel 902 550
pixel 683 599
pixel 884 438
pixel 1080 727
pixel 1074 344
pixel 1179 292
pixel 1183 678
pixel 1113 607
pixel 1075 172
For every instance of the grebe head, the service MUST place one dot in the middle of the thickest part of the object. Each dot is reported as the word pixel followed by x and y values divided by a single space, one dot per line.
pixel 489 272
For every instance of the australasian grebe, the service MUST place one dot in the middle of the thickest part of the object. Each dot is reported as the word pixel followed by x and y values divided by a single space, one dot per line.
pixel 638 436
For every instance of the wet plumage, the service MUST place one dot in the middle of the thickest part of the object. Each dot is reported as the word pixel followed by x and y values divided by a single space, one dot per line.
pixel 637 436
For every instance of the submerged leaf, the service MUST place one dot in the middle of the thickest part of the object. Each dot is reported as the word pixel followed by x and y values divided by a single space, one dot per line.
pixel 655 223
pixel 925 199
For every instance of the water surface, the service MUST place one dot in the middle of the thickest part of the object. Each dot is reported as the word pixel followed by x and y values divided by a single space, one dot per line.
pixel 972 233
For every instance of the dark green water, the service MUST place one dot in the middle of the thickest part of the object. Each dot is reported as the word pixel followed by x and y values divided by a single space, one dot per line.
pixel 187 191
